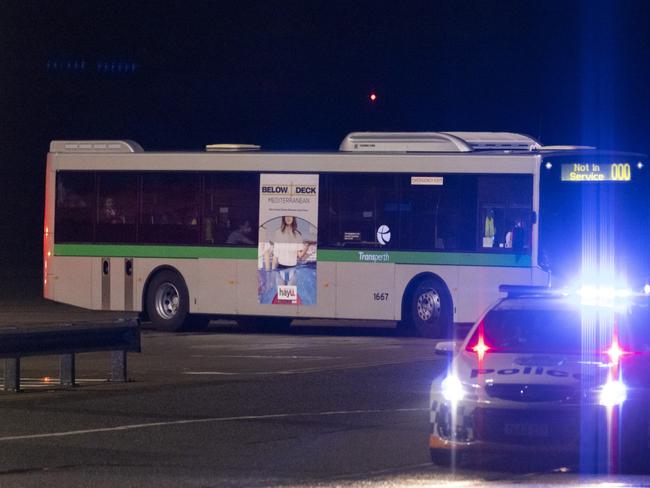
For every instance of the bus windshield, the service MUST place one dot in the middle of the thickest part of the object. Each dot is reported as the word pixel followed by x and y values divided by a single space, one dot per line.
pixel 594 220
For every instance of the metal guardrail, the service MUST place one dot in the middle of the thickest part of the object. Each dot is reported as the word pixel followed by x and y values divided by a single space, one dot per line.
pixel 66 340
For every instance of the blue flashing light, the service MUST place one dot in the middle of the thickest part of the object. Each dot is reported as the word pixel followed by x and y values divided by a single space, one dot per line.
pixel 603 296
pixel 613 393
pixel 452 389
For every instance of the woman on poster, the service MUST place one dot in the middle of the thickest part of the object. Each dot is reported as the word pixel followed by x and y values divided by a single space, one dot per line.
pixel 288 247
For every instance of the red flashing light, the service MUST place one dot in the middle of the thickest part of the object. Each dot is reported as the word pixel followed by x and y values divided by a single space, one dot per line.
pixel 615 352
pixel 373 97
pixel 481 347
pixel 477 344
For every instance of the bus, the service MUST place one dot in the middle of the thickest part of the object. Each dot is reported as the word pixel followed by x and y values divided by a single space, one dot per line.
pixel 418 229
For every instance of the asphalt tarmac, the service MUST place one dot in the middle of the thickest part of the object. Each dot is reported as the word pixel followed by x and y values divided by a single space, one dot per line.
pixel 322 406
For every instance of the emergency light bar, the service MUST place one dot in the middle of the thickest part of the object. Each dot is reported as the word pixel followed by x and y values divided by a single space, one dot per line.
pixel 518 291
pixel 595 296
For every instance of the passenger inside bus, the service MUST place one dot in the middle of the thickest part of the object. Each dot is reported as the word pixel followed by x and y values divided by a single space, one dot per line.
pixel 490 229
pixel 109 213
pixel 241 234
pixel 515 236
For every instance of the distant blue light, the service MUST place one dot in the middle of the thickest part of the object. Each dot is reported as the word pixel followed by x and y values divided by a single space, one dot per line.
pixel 77 65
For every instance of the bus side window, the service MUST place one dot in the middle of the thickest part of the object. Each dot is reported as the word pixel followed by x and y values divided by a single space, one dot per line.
pixel 170 204
pixel 358 206
pixel 116 207
pixel 75 202
pixel 437 212
pixel 505 209
pixel 230 205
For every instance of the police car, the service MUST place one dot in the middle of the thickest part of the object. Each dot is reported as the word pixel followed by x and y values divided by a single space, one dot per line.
pixel 545 371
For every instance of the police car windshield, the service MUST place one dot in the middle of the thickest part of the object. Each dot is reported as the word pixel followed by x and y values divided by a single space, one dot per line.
pixel 543 331
pixel 548 326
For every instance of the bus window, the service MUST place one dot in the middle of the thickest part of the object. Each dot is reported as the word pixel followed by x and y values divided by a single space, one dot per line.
pixel 358 206
pixel 75 202
pixel 230 209
pixel 438 212
pixel 170 208
pixel 116 207
pixel 504 212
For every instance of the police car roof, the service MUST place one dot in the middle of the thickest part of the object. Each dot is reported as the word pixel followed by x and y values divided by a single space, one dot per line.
pixel 537 303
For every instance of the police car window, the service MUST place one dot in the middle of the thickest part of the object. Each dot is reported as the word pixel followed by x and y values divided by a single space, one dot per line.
pixel 544 331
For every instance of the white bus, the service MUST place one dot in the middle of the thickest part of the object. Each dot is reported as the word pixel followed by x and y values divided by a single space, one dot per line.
pixel 415 228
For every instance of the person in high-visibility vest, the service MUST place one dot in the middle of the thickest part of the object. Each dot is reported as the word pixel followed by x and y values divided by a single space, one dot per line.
pixel 490 230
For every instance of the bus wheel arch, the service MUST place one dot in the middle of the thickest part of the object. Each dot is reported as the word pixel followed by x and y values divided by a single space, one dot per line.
pixel 427 306
pixel 165 299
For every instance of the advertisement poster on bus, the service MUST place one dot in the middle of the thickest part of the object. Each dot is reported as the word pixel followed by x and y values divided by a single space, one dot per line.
pixel 287 239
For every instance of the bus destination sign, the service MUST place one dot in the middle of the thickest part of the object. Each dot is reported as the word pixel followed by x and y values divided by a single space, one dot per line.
pixel 588 172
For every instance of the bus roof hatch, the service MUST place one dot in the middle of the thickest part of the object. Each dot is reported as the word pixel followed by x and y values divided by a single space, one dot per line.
pixel 95 147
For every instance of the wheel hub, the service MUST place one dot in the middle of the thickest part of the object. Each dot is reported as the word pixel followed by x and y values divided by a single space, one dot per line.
pixel 167 300
pixel 428 306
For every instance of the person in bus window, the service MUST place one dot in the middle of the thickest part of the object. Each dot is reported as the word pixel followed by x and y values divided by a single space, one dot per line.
pixel 490 229
pixel 518 236
pixel 240 234
pixel 109 212
pixel 515 237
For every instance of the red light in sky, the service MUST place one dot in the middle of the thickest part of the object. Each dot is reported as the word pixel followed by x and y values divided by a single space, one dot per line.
pixel 373 97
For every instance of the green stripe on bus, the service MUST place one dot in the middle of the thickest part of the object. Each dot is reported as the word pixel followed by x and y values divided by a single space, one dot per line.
pixel 412 257
pixel 151 251
pixel 324 255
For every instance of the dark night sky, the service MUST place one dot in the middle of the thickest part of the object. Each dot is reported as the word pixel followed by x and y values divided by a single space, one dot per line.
pixel 296 75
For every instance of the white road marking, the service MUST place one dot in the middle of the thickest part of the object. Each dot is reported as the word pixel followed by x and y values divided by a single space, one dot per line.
pixel 251 373
pixel 199 373
pixel 204 421
pixel 278 357
pixel 315 369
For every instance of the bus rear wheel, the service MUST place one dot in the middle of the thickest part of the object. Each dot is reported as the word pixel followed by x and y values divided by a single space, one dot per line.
pixel 167 301
pixel 430 309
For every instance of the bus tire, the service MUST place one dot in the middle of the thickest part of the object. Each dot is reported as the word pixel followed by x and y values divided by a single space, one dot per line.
pixel 167 301
pixel 430 309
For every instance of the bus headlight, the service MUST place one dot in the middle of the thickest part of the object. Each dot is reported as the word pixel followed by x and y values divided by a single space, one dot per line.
pixel 452 389
pixel 612 393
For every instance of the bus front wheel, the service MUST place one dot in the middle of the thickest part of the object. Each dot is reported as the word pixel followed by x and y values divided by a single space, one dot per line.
pixel 167 301
pixel 430 309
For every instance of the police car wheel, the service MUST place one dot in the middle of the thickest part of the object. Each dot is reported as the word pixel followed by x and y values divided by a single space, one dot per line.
pixel 430 309
pixel 440 457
